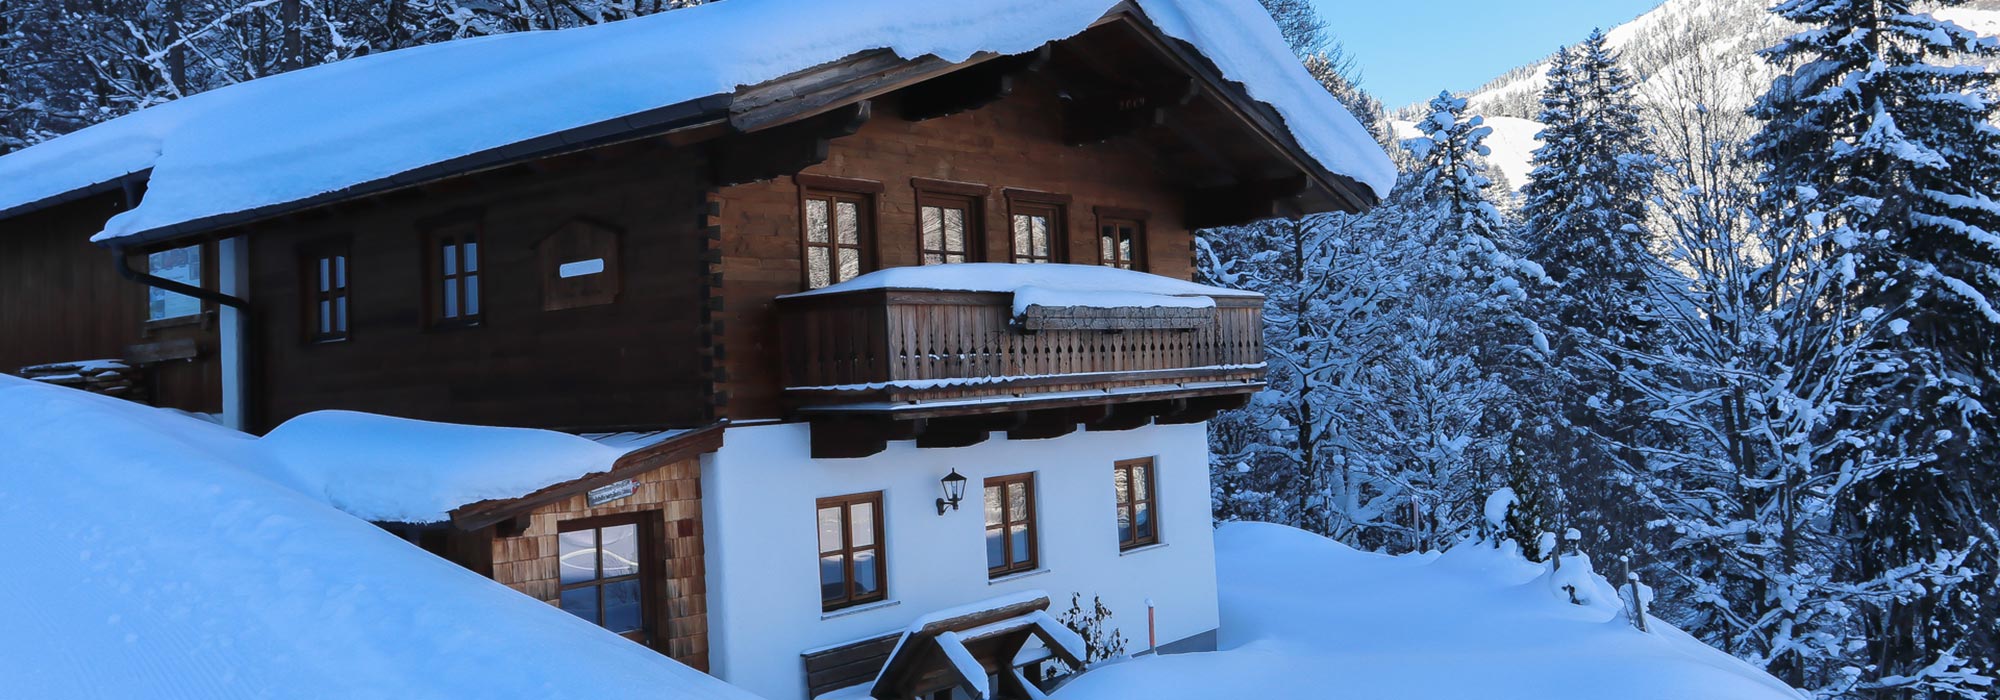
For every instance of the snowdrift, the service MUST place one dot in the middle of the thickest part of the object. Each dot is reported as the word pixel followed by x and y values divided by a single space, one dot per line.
pixel 1306 617
pixel 150 557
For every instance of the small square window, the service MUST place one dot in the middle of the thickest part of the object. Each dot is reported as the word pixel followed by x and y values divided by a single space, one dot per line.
pixel 327 313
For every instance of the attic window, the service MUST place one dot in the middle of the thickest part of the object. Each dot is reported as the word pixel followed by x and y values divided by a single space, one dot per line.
pixel 1035 225
pixel 1121 238
pixel 838 234
pixel 948 221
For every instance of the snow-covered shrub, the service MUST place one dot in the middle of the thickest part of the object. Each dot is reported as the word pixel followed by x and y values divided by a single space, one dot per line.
pixel 1101 639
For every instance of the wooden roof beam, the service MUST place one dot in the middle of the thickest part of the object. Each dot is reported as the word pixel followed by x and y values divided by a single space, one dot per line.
pixel 971 88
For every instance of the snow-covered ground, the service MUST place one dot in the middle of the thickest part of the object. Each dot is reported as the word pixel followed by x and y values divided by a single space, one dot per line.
pixel 1305 617
pixel 149 557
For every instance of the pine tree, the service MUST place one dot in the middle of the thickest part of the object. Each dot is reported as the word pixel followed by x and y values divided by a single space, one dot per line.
pixel 1882 154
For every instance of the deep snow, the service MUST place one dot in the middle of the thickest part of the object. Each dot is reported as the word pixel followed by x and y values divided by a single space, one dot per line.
pixel 1306 617
pixel 149 557
pixel 293 136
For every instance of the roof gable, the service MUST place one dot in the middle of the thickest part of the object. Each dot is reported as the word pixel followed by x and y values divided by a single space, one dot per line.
pixel 397 118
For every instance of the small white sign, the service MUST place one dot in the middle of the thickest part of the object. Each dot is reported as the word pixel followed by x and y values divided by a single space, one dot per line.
pixel 580 268
pixel 611 492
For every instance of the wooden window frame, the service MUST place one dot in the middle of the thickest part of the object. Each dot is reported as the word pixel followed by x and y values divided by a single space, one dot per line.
pixel 1008 519
pixel 311 295
pixel 867 195
pixel 458 230
pixel 847 549
pixel 649 552
pixel 970 197
pixel 1137 218
pixel 1054 206
pixel 210 277
pixel 1132 500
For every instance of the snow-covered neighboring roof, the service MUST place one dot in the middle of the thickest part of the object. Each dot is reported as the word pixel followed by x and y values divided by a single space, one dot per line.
pixel 1045 280
pixel 291 137
pixel 388 469
pixel 165 564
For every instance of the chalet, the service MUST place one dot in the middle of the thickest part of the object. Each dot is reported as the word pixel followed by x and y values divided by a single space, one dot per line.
pixel 848 316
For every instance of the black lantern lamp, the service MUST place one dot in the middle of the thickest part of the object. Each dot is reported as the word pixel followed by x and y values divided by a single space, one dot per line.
pixel 954 491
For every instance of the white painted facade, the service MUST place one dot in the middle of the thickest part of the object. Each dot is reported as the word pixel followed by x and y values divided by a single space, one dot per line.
pixel 759 493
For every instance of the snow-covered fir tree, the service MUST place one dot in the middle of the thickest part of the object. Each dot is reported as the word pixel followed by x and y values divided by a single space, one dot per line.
pixel 1880 152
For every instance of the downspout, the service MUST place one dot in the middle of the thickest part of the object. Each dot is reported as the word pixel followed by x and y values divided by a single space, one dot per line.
pixel 125 270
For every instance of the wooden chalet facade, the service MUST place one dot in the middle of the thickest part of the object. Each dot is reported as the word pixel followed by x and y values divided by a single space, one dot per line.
pixel 644 278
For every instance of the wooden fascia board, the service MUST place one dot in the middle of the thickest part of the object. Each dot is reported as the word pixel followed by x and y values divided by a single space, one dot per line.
pixel 679 447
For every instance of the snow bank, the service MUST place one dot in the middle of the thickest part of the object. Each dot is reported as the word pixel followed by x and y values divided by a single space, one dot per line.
pixel 1305 617
pixel 155 560
pixel 297 135
pixel 382 468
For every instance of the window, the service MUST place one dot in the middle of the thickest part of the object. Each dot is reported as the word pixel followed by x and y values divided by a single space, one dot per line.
pixel 1010 524
pixel 839 236
pixel 851 566
pixel 181 265
pixel 326 294
pixel 1121 238
pixel 1035 226
pixel 949 226
pixel 601 566
pixel 1138 517
pixel 453 263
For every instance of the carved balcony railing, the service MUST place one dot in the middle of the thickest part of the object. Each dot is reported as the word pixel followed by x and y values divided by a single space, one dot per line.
pixel 928 352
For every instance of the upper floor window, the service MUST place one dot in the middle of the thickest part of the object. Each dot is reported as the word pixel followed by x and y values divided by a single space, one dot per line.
pixel 326 294
pixel 1010 524
pixel 852 569
pixel 948 221
pixel 1035 223
pixel 453 264
pixel 1137 515
pixel 601 563
pixel 839 235
pixel 181 265
pixel 1121 239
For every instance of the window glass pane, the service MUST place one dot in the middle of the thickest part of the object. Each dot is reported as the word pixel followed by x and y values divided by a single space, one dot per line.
pixel 829 530
pixel 847 217
pixel 450 299
pixel 954 230
pixel 850 264
pixel 865 581
pixel 1022 248
pixel 832 579
pixel 1142 519
pixel 621 551
pixel 471 255
pixel 1017 501
pixel 1107 244
pixel 340 314
pixel 1040 229
pixel 181 265
pixel 1125 246
pixel 996 549
pixel 863 516
pixel 1142 484
pixel 624 607
pixel 993 514
pixel 325 274
pixel 471 295
pixel 1019 534
pixel 819 267
pixel 932 222
pixel 576 556
pixel 954 258
pixel 325 316
pixel 934 259
pixel 816 225
pixel 1121 479
pixel 581 602
pixel 340 271
pixel 1124 523
pixel 449 254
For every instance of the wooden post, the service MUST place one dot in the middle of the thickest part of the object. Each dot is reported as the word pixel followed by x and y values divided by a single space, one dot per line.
pixel 1638 611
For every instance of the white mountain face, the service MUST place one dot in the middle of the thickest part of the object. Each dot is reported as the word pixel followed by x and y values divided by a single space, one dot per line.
pixel 1686 54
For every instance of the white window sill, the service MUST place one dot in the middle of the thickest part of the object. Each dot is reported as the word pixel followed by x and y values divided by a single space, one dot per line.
pixel 858 609
pixel 1145 548
pixel 1016 577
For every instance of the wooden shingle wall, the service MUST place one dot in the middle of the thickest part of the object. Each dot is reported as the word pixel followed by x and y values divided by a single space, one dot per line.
pixel 670 499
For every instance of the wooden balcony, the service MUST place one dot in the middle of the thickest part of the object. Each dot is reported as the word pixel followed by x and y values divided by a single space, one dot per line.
pixel 947 367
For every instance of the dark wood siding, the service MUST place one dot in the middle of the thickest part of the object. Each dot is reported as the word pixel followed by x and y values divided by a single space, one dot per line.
pixel 1013 143
pixel 632 362
pixel 61 300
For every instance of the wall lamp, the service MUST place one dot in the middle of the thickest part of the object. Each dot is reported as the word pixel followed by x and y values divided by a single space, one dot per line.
pixel 954 491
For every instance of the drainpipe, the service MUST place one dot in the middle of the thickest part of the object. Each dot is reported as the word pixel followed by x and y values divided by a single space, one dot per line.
pixel 233 323
pixel 1152 630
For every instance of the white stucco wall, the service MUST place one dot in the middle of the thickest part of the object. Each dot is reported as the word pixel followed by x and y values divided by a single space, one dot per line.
pixel 763 586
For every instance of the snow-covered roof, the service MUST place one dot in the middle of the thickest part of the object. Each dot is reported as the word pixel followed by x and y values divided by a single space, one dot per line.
pixel 154 558
pixel 1046 281
pixel 389 469
pixel 296 136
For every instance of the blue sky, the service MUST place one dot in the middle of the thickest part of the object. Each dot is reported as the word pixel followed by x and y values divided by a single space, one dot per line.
pixel 1410 49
